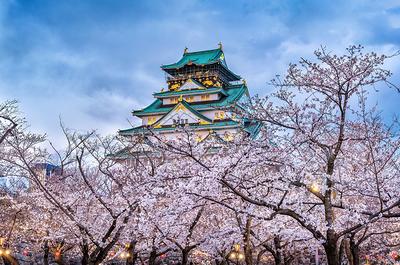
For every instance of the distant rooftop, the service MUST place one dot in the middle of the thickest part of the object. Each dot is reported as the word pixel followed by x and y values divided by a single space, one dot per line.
pixel 199 58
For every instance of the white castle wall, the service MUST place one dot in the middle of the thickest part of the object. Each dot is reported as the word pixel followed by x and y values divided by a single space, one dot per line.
pixel 196 98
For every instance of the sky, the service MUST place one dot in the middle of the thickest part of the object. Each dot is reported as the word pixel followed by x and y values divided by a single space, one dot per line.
pixel 90 63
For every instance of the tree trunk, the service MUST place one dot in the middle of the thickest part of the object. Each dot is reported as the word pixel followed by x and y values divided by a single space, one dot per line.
pixel 355 252
pixel 347 248
pixel 185 257
pixel 46 251
pixel 341 250
pixel 331 251
pixel 278 257
pixel 330 246
pixel 278 260
pixel 85 254
pixel 248 253
pixel 153 257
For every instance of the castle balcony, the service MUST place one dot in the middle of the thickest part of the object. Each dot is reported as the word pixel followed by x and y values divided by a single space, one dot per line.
pixel 193 74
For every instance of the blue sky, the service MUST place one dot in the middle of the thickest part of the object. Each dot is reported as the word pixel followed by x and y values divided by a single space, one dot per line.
pixel 92 62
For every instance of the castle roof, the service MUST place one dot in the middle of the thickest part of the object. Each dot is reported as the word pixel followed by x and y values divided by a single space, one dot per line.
pixel 233 94
pixel 214 125
pixel 184 104
pixel 198 58
pixel 206 57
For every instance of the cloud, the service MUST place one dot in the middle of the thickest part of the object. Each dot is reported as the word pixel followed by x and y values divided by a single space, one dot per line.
pixel 92 62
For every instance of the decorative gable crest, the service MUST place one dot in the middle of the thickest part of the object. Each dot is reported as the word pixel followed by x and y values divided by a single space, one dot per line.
pixel 191 84
pixel 182 114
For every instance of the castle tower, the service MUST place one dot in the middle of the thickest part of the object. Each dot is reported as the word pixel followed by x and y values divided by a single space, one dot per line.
pixel 202 94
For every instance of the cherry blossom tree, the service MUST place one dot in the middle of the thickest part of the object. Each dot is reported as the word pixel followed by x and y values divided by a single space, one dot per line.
pixel 322 175
pixel 323 159
pixel 92 197
pixel 326 163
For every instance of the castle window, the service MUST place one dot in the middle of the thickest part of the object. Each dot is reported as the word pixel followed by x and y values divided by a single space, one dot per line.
pixel 219 115
pixel 173 100
pixel 205 97
pixel 151 120
pixel 189 98
pixel 180 121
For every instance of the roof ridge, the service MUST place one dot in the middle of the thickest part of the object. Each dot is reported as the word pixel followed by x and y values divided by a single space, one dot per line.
pixel 196 112
pixel 196 91
pixel 202 51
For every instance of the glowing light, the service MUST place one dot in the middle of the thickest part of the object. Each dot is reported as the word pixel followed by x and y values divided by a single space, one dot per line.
pixel 236 247
pixel 8 252
pixel 314 187
pixel 240 256
pixel 122 255
pixel 232 255
pixel 1 252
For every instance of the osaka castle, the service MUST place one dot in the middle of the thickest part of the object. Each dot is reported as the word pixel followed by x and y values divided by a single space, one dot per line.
pixel 202 96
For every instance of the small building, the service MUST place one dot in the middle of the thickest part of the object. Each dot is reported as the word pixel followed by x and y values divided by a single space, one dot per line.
pixel 203 96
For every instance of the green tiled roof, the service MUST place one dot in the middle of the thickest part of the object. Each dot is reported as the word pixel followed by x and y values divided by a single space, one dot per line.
pixel 190 92
pixel 252 128
pixel 234 93
pixel 195 112
pixel 214 125
pixel 199 58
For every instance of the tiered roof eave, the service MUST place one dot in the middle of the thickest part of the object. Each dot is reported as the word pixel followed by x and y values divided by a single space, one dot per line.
pixel 234 94
pixel 201 58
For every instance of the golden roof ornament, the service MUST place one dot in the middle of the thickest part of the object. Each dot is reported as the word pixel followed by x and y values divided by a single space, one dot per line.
pixel 244 82
pixel 220 45
pixel 180 98
pixel 185 50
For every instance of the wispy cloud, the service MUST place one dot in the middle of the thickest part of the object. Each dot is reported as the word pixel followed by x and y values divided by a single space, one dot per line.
pixel 92 62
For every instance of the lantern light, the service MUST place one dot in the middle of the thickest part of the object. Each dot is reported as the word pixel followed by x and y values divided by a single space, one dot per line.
pixel 314 187
pixel 236 247
pixel 236 254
